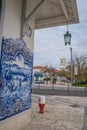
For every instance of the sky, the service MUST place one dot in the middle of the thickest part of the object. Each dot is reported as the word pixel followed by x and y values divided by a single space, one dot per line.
pixel 49 44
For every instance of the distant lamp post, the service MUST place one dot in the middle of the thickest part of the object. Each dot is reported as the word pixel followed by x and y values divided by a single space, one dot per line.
pixel 67 37
pixel 75 71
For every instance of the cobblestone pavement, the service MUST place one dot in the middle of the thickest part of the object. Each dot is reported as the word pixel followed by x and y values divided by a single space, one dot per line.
pixel 85 120
pixel 61 113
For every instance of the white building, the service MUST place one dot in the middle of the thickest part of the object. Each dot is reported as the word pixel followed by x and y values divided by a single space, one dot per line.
pixel 63 63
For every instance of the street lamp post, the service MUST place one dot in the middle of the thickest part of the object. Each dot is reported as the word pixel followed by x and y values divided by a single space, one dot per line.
pixel 67 39
pixel 71 64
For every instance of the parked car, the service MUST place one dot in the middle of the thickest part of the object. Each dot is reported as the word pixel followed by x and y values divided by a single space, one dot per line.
pixel 39 82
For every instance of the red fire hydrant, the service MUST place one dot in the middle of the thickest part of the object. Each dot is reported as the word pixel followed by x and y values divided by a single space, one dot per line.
pixel 41 103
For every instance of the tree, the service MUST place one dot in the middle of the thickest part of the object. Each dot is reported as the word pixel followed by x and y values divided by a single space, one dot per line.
pixel 50 74
pixel 62 73
pixel 81 62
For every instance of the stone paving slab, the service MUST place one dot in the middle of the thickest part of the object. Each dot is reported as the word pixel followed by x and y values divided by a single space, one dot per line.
pixel 61 113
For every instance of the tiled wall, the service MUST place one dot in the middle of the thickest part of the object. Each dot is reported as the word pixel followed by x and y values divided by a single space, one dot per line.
pixel 16 77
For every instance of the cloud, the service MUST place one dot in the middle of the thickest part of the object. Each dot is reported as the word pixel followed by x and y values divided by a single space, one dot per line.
pixel 49 43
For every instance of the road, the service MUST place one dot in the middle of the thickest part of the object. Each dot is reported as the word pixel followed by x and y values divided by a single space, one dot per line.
pixel 62 90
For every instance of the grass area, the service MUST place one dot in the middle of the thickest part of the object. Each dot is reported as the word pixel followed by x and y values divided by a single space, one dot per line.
pixel 80 85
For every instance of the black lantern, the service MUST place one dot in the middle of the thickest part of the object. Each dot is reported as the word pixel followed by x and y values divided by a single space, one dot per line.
pixel 67 37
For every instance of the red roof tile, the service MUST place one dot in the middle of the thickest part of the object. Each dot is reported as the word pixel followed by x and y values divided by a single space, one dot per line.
pixel 38 67
pixel 46 69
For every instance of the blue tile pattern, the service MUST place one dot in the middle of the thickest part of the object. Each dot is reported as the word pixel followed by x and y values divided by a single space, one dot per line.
pixel 15 77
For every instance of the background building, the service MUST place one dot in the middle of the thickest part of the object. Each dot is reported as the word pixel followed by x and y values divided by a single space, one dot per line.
pixel 46 75
pixel 63 63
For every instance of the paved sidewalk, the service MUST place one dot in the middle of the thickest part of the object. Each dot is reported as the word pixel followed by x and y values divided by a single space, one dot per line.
pixel 61 113
pixel 85 120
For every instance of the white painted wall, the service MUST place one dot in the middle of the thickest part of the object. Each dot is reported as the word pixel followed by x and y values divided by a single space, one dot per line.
pixel 17 122
pixel 12 22
pixel 12 19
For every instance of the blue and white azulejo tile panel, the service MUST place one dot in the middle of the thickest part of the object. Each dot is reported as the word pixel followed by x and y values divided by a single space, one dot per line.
pixel 16 77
